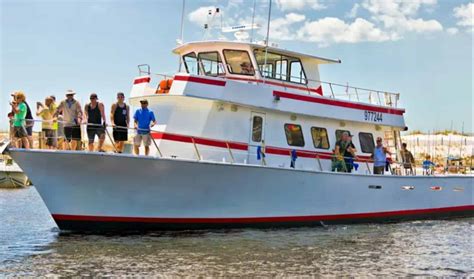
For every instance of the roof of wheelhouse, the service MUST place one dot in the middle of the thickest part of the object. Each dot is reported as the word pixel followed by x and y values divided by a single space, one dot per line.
pixel 187 47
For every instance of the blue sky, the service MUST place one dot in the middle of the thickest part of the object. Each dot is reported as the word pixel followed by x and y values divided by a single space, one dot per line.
pixel 420 48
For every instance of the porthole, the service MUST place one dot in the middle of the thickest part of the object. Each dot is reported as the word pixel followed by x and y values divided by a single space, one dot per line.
pixel 408 187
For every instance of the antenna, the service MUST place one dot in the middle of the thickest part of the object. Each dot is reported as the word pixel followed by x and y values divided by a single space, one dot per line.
pixel 268 35
pixel 180 41
pixel 253 18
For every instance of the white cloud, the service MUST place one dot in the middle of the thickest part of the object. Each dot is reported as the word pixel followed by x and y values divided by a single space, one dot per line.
pixel 452 31
pixel 299 5
pixel 283 29
pixel 331 30
pixel 200 15
pixel 399 16
pixel 465 14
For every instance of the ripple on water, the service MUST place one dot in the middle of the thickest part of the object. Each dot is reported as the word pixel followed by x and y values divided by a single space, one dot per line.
pixel 30 245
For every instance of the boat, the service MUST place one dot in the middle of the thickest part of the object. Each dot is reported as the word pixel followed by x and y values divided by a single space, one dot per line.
pixel 11 176
pixel 245 139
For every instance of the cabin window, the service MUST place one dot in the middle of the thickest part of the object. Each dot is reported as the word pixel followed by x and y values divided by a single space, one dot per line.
pixel 238 62
pixel 266 70
pixel 190 63
pixel 367 144
pixel 257 128
pixel 283 67
pixel 211 63
pixel 320 137
pixel 339 134
pixel 297 73
pixel 294 135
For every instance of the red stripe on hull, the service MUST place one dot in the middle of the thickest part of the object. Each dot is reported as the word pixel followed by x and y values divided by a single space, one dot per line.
pixel 200 80
pixel 244 146
pixel 253 220
pixel 338 103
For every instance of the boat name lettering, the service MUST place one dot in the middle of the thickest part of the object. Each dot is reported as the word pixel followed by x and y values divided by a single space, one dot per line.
pixel 373 116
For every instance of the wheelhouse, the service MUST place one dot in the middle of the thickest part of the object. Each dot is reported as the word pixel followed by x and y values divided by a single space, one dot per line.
pixel 251 62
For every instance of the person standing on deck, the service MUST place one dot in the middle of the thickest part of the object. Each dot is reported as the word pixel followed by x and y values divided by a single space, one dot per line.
pixel 19 120
pixel 345 148
pixel 144 119
pixel 120 118
pixel 96 123
pixel 72 118
pixel 46 112
pixel 407 159
pixel 379 155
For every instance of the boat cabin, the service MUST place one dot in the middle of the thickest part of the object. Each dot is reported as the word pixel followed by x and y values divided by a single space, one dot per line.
pixel 252 62
pixel 232 100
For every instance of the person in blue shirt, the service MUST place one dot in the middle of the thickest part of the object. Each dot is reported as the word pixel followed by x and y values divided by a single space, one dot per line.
pixel 380 157
pixel 144 119
pixel 428 166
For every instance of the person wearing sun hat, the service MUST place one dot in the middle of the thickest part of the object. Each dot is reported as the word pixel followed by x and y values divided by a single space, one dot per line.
pixel 72 117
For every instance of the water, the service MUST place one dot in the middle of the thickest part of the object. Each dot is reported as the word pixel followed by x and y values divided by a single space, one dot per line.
pixel 31 245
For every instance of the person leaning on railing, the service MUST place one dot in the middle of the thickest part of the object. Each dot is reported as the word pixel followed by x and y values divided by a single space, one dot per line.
pixel 345 151
pixel 379 155
pixel 120 118
pixel 72 117
pixel 144 119
pixel 407 159
pixel 19 130
pixel 46 112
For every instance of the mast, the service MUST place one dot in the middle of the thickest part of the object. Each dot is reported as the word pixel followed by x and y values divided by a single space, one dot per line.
pixel 268 36
pixel 181 39
pixel 253 19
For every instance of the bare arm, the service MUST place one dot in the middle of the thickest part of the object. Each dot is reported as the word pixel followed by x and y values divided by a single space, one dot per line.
pixel 102 112
pixel 112 112
pixel 128 115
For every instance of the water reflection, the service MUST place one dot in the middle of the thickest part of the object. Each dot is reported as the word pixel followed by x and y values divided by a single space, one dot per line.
pixel 441 248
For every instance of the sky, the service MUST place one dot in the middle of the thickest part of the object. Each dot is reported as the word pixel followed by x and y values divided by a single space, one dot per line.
pixel 422 49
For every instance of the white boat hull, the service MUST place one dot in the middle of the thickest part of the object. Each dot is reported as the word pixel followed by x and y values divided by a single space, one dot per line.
pixel 96 191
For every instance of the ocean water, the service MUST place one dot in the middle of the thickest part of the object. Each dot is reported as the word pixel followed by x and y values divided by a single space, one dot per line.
pixel 31 245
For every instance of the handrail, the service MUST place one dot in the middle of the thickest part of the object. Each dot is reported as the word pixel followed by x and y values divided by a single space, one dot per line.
pixel 227 146
pixel 383 98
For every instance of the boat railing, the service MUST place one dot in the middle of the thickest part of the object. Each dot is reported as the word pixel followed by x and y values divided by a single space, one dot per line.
pixel 395 167
pixel 335 90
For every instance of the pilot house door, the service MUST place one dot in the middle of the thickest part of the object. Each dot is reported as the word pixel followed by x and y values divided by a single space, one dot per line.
pixel 257 136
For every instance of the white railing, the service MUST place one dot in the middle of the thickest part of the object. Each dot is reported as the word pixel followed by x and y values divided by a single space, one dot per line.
pixel 396 167
pixel 330 89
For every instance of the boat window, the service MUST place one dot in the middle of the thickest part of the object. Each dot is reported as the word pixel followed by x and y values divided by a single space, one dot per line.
pixel 283 67
pixel 339 134
pixel 190 63
pixel 320 137
pixel 211 63
pixel 297 73
pixel 266 70
pixel 367 144
pixel 238 62
pixel 257 128
pixel 294 135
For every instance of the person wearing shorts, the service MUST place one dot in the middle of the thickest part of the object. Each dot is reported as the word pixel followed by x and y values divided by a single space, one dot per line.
pixel 120 118
pixel 19 130
pixel 72 117
pixel 46 112
pixel 94 112
pixel 144 119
